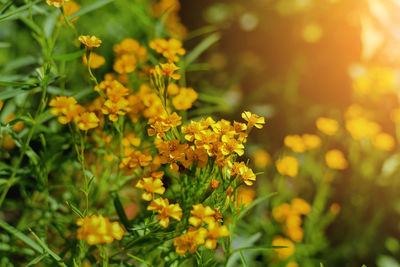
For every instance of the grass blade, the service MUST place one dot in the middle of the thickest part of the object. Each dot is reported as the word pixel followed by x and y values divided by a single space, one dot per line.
pixel 36 260
pixel 18 234
pixel 201 47
pixel 47 249
pixel 243 259
pixel 69 56
pixel 253 204
pixel 89 8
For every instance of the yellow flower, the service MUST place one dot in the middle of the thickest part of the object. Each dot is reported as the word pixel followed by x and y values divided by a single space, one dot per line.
pixel 375 82
pixel 281 212
pixel 96 61
pixel 88 120
pixel 132 158
pixel 168 48
pixel 184 99
pixel 335 159
pixel 311 141
pixel 360 127
pixel 295 233
pixel 201 214
pixel 131 140
pixel 287 251
pixel 55 3
pixel 261 159
pixel 292 264
pixel 125 64
pixel 165 211
pixel 168 70
pixel 214 232
pixel 245 197
pixel 98 230
pixel 327 126
pixel 295 142
pixel 67 106
pixel 288 166
pixel 151 185
pixel 300 206
pixel 247 175
pixel 383 141
pixel 190 240
pixel 16 127
pixel 197 155
pixel 70 8
pixel 253 119
pixel 1 104
pixel 90 41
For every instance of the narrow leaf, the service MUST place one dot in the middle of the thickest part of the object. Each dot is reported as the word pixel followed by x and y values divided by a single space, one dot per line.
pixel 89 8
pixel 18 234
pixel 253 204
pixel 69 56
pixel 201 47
pixel 47 249
pixel 120 211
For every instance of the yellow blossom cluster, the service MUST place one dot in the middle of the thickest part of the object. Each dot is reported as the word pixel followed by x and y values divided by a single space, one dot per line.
pixel 287 165
pixel 374 81
pixel 116 102
pixel 289 215
pixel 171 49
pixel 170 9
pixel 69 110
pixel 128 53
pixel 302 143
pixel 165 211
pixel 96 229
pixel 360 127
pixel 207 235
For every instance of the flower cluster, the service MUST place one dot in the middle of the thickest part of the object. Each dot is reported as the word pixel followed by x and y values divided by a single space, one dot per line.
pixel 98 230
pixel 69 110
pixel 289 215
pixel 201 235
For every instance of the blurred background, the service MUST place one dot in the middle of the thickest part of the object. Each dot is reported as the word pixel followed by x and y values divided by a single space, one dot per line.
pixel 293 61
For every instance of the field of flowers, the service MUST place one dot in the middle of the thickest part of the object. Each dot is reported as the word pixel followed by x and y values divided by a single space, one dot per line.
pixel 167 133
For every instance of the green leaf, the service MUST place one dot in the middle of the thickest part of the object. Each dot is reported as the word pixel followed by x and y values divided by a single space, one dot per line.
pixel 120 210
pixel 253 204
pixel 139 259
pixel 18 234
pixel 89 8
pixel 69 56
pixel 36 260
pixel 16 84
pixel 243 259
pixel 47 249
pixel 17 11
pixel 75 209
pixel 201 47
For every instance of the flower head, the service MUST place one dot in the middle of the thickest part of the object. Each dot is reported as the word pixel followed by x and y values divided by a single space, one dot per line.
pixel 98 230
pixel 327 126
pixel 55 3
pixel 253 119
pixel 288 166
pixel 165 211
pixel 88 120
pixel 335 159
pixel 151 185
pixel 201 214
pixel 90 41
